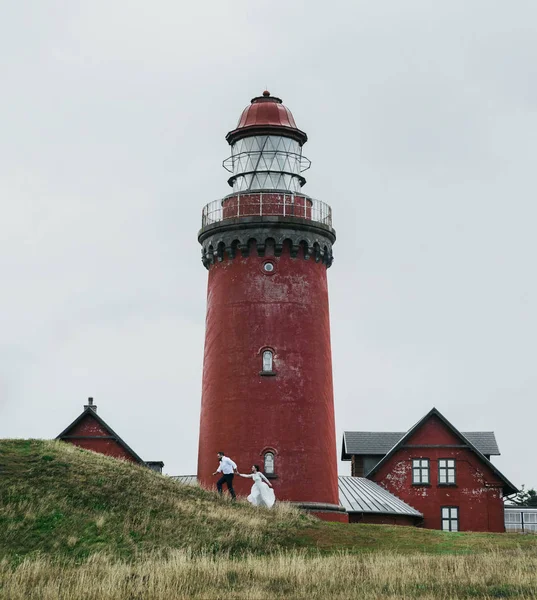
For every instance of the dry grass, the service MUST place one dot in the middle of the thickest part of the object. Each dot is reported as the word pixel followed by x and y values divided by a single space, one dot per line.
pixel 284 575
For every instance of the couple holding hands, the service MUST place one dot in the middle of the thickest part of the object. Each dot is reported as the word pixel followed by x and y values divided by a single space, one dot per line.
pixel 262 493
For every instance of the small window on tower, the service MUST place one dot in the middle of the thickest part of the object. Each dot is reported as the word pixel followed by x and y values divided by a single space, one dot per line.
pixel 267 361
pixel 269 463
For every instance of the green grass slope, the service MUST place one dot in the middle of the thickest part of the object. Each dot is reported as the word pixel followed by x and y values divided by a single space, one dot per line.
pixel 58 500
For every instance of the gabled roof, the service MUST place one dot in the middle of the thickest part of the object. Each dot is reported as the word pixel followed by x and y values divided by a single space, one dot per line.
pixel 508 488
pixel 380 443
pixel 358 494
pixel 90 412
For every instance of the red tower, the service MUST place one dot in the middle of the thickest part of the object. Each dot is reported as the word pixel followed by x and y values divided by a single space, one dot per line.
pixel 267 394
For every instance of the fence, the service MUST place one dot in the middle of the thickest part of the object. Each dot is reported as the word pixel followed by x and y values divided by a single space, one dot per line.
pixel 521 519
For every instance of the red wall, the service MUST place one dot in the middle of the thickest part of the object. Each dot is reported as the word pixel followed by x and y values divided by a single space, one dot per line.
pixel 271 203
pixel 477 493
pixel 242 412
pixel 383 519
pixel 90 427
pixel 341 517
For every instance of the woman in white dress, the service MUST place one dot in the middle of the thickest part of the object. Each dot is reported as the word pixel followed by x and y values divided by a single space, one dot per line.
pixel 262 493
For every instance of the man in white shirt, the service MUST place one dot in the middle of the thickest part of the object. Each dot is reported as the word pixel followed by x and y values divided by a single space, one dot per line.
pixel 228 468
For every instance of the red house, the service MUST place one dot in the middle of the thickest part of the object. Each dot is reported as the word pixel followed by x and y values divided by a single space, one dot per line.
pixel 444 474
pixel 91 432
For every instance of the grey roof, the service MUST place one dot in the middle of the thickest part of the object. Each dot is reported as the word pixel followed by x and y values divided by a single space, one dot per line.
pixel 370 442
pixel 358 494
pixel 484 441
pixel 381 442
pixel 185 479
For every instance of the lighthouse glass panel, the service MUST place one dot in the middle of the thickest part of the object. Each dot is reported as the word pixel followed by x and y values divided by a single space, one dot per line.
pixel 267 361
pixel 264 162
pixel 269 463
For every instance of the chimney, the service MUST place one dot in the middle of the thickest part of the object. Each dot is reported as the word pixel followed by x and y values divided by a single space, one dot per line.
pixel 90 405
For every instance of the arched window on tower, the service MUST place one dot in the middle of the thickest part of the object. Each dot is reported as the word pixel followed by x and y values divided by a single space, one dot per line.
pixel 268 463
pixel 267 361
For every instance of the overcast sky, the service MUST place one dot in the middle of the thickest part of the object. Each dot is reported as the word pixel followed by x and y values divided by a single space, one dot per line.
pixel 422 128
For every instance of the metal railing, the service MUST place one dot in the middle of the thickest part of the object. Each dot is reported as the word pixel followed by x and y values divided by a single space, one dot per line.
pixel 263 204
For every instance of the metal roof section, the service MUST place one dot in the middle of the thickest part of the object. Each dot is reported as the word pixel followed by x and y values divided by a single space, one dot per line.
pixel 185 479
pixel 381 442
pixel 266 113
pixel 358 494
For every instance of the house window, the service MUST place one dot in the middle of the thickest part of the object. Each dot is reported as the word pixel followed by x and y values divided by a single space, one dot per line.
pixel 420 470
pixel 450 518
pixel 267 361
pixel 268 463
pixel 446 471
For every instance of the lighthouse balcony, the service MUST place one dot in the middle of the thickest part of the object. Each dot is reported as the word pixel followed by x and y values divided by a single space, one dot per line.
pixel 248 205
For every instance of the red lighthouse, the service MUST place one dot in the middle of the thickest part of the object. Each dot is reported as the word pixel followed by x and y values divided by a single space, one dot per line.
pixel 267 394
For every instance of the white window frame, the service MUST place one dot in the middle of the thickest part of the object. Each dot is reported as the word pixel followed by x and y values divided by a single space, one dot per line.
pixel 421 471
pixel 447 471
pixel 449 516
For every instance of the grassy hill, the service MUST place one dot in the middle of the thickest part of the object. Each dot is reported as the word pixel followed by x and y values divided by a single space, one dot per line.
pixel 56 498
pixel 68 515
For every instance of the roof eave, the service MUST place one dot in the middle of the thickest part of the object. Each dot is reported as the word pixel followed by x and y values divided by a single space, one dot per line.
pixel 344 455
pixel 385 512
pixel 268 129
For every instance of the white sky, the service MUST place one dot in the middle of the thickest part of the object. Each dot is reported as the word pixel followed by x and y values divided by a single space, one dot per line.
pixel 423 128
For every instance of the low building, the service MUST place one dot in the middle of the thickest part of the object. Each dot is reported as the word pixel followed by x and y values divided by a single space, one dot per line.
pixel 91 432
pixel 520 519
pixel 444 474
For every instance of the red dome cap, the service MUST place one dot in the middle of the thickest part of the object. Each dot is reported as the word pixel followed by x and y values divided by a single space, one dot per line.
pixel 266 115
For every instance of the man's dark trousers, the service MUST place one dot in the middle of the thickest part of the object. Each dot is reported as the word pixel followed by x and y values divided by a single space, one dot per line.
pixel 228 480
